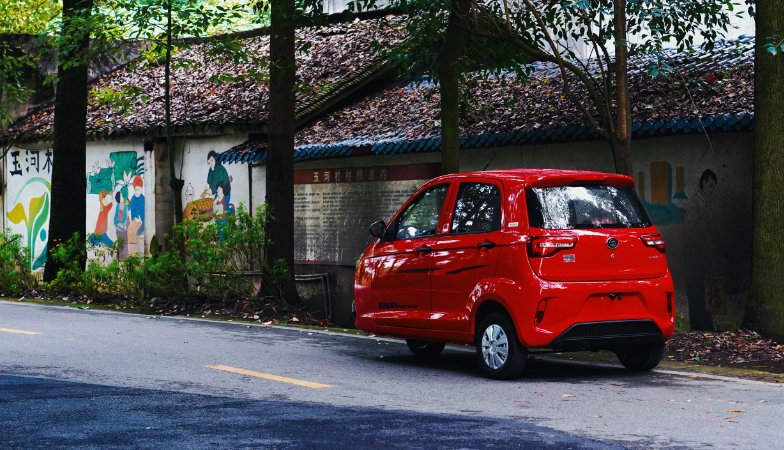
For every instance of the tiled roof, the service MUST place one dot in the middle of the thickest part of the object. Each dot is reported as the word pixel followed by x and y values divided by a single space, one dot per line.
pixel 339 59
pixel 710 90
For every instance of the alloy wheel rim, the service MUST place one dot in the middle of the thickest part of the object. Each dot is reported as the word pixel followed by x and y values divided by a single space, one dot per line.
pixel 495 347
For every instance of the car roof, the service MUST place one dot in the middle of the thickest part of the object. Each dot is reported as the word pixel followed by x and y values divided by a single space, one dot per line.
pixel 547 177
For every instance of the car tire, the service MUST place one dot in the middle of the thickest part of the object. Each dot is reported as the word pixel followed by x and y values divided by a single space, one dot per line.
pixel 425 349
pixel 641 358
pixel 499 352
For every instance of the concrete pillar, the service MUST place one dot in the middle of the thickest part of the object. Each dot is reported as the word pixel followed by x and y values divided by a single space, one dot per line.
pixel 164 195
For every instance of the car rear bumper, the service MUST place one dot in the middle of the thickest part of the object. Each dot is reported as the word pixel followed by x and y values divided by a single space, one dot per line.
pixel 584 315
pixel 608 335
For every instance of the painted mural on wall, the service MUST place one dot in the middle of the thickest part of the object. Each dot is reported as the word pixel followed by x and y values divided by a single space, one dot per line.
pixel 28 200
pixel 707 235
pixel 215 198
pixel 661 208
pixel 704 285
pixel 116 191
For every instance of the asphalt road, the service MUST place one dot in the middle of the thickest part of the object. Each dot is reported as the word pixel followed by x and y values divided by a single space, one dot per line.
pixel 102 379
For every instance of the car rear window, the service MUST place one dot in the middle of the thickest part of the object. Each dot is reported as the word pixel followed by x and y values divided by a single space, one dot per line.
pixel 579 207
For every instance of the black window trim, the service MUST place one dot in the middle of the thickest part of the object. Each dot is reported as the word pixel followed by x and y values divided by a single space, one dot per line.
pixel 392 228
pixel 495 183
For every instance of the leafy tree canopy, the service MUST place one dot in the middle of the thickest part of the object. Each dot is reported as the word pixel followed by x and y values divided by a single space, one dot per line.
pixel 27 16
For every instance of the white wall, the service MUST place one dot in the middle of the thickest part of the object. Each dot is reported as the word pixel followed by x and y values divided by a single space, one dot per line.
pixel 259 186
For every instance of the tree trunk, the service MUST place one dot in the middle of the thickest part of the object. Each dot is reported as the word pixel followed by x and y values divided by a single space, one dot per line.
pixel 280 140
pixel 765 307
pixel 69 183
pixel 454 44
pixel 622 155
pixel 621 142
pixel 176 183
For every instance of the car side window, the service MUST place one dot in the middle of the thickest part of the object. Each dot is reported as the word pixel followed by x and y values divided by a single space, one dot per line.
pixel 420 217
pixel 477 208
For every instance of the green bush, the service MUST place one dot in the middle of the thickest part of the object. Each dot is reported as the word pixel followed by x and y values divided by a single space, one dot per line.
pixel 228 257
pixel 119 278
pixel 15 274
pixel 70 256
pixel 221 258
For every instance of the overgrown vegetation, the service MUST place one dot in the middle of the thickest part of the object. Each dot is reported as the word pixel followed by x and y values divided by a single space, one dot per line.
pixel 15 274
pixel 221 259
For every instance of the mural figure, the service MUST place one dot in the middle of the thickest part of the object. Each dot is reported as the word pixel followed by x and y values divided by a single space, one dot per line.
pixel 102 225
pixel 215 200
pixel 136 226
pixel 121 223
pixel 222 194
pixel 698 251
pixel 216 174
pixel 189 192
pixel 123 172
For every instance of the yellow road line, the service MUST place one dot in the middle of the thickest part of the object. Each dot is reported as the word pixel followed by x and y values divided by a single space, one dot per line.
pixel 269 377
pixel 8 330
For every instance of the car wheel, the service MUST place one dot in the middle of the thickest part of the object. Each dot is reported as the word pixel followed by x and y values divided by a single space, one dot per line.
pixel 641 358
pixel 425 349
pixel 500 354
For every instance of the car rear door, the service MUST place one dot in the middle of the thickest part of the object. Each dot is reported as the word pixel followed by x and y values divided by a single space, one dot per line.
pixel 401 287
pixel 592 233
pixel 467 253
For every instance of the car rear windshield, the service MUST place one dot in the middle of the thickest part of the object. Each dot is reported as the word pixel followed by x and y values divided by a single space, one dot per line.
pixel 578 207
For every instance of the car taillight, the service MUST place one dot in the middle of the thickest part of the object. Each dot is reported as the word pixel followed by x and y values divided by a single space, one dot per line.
pixel 669 303
pixel 653 240
pixel 550 245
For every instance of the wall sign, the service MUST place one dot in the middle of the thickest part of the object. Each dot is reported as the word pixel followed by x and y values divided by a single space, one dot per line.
pixel 334 207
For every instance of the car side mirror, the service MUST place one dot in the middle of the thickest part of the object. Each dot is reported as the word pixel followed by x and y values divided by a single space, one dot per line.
pixel 378 229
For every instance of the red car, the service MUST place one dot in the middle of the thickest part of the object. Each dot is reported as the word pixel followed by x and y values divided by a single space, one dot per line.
pixel 512 260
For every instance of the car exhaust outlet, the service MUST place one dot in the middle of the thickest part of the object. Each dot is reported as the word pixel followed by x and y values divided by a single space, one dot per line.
pixel 540 313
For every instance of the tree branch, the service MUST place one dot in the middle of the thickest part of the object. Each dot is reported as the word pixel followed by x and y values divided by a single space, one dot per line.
pixel 564 75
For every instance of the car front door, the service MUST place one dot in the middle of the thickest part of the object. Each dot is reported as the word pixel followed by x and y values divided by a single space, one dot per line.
pixel 467 254
pixel 401 288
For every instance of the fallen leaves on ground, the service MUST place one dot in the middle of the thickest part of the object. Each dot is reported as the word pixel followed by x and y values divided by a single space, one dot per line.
pixel 265 310
pixel 726 348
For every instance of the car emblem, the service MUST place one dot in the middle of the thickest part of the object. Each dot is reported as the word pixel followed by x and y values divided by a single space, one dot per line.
pixel 612 243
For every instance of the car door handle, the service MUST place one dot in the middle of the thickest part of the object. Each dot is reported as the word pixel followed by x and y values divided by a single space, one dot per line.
pixel 486 245
pixel 424 250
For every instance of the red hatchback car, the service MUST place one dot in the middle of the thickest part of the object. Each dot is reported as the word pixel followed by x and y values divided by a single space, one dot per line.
pixel 511 260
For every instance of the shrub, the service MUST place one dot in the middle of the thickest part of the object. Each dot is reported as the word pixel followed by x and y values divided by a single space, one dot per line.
pixel 121 278
pixel 15 274
pixel 70 255
pixel 221 258
pixel 228 256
